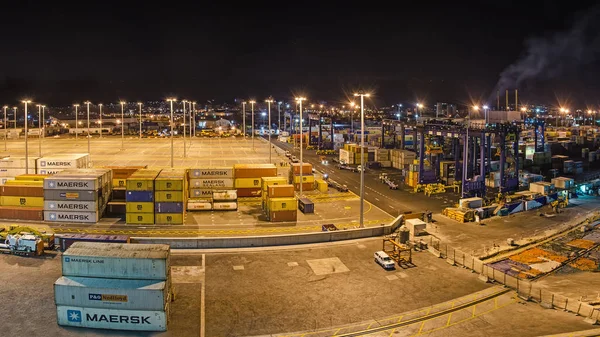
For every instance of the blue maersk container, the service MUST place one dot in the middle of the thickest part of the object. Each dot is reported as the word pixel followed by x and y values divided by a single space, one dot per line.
pixel 168 207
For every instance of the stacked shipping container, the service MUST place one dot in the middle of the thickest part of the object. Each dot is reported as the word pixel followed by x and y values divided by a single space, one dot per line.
pixel 281 204
pixel 203 181
pixel 170 196
pixel 265 183
pixel 139 197
pixel 307 179
pixel 248 178
pixel 102 281
pixel 23 200
pixel 58 163
pixel 11 167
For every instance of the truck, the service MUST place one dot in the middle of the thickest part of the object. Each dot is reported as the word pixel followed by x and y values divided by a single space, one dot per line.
pixel 22 244
pixel 346 167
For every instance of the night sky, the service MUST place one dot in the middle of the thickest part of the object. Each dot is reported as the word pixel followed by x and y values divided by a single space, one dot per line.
pixel 60 54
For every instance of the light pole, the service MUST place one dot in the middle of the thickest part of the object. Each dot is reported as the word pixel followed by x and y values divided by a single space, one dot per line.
pixel 15 115
pixel 171 100
pixel 43 121
pixel 5 107
pixel 485 114
pixel 244 118
pixel 100 107
pixel 352 105
pixel 184 103
pixel 362 156
pixel 193 122
pixel 299 100
pixel 279 115
pixel 190 125
pixel 76 123
pixel 26 144
pixel 122 125
pixel 418 106
pixel 269 101
pixel 140 105
pixel 39 106
pixel 88 128
pixel 524 113
pixel 252 105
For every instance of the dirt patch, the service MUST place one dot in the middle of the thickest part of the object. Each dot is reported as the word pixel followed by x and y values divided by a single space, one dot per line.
pixel 581 243
pixel 584 264
pixel 537 255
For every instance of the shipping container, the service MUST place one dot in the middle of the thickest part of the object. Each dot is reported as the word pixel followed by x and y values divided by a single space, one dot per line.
pixel 22 201
pixel 199 206
pixel 66 240
pixel 248 183
pixel 248 192
pixel 281 204
pixel 73 216
pixel 117 260
pixel 208 183
pixel 305 205
pixel 225 206
pixel 171 184
pixel 139 196
pixel 279 216
pixel 116 319
pixel 268 181
pixel 305 187
pixel 142 180
pixel 168 207
pixel 139 218
pixel 91 292
pixel 53 205
pixel 32 177
pixel 254 170
pixel 18 162
pixel 22 191
pixel 119 182
pixel 22 213
pixel 306 168
pixel 139 207
pixel 225 195
pixel 216 172
pixel 168 218
pixel 305 179
pixel 64 161
pixel 200 193
pixel 67 183
pixel 280 191
pixel 168 196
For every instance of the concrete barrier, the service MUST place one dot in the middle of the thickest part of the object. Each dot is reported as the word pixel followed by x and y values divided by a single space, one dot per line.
pixel 269 240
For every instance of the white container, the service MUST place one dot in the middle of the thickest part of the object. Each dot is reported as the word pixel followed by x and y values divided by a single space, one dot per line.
pixel 116 319
pixel 70 206
pixel 563 182
pixel 72 216
pixel 49 171
pixel 200 193
pixel 541 187
pixel 217 172
pixel 223 206
pixel 199 206
pixel 344 156
pixel 13 172
pixel 64 161
pixel 68 183
pixel 211 183
pixel 18 162
pixel 471 202
pixel 117 260
pixel 225 195
pixel 92 292
pixel 415 226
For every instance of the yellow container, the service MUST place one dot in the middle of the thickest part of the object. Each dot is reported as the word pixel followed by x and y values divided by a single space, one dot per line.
pixel 22 201
pixel 282 204
pixel 168 184
pixel 305 179
pixel 266 181
pixel 140 218
pixel 169 218
pixel 122 182
pixel 168 196
pixel 140 184
pixel 322 186
pixel 247 183
pixel 24 183
pixel 31 177
pixel 139 207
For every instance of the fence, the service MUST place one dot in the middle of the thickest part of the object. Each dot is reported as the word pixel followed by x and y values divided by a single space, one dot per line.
pixel 525 289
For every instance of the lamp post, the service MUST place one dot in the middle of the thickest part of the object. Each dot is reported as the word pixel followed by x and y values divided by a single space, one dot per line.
pixel 88 127
pixel 39 106
pixel 252 105
pixel 100 113
pixel 418 106
pixel 184 103
pixel 76 123
pixel 269 101
pixel 485 114
pixel 244 119
pixel 362 156
pixel 43 121
pixel 140 105
pixel 122 125
pixel 352 105
pixel 26 144
pixel 523 112
pixel 193 119
pixel 171 100
pixel 5 146
pixel 299 100
pixel 15 116
pixel 279 115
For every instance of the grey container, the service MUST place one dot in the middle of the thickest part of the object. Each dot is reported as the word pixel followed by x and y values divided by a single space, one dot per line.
pixel 117 260
pixel 91 292
pixel 70 195
pixel 72 216
pixel 104 175
pixel 116 319
pixel 70 206
pixel 72 183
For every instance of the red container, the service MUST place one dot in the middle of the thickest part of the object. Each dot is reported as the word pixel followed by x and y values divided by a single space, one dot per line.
pixel 306 168
pixel 21 191
pixel 248 192
pixel 22 213
pixel 281 216
pixel 305 187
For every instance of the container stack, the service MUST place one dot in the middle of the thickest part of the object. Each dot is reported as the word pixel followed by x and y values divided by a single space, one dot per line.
pixel 308 178
pixel 58 163
pixel 117 204
pixel 281 204
pixel 23 198
pixel 77 195
pixel 265 183
pixel 114 286
pixel 383 156
pixel 10 167
pixel 248 178
pixel 203 181
pixel 225 200
pixel 170 196
pixel 139 197
pixel 401 158
pixel 563 183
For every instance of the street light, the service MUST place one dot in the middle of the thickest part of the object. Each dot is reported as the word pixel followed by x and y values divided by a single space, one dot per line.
pixel 5 107
pixel 362 155
pixel 193 120
pixel 252 105
pixel 122 125
pixel 524 110
pixel 299 100
pixel 485 110
pixel 15 116
pixel 183 124
pixel 269 101
pixel 279 115
pixel 26 144
pixel 43 121
pixel 39 106
pixel 140 105
pixel 352 105
pixel 418 106
pixel 100 106
pixel 171 100
pixel 244 119
pixel 88 127
pixel 76 123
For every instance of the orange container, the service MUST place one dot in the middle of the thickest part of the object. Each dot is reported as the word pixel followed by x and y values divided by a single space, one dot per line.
pixel 306 168
pixel 280 216
pixel 280 191
pixel 22 191
pixel 305 187
pixel 254 170
pixel 248 192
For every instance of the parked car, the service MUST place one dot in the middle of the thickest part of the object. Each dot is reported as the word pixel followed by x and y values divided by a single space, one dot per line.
pixel 384 260
pixel 294 159
pixel 288 154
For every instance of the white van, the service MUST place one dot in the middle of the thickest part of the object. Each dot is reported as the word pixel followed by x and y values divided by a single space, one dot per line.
pixel 384 260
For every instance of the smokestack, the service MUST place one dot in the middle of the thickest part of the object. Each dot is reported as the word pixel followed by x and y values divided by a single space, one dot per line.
pixel 507 100
pixel 516 100
pixel 498 99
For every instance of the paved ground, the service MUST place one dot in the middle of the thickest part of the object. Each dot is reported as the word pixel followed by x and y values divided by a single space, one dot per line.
pixel 573 284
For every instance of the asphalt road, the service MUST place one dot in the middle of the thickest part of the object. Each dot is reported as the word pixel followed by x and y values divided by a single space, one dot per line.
pixel 394 202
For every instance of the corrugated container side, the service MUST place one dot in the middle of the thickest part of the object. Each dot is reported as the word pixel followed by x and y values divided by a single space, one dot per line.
pixel 200 193
pixel 217 172
pixel 168 207
pixel 207 183
pixel 73 216
pixel 114 267
pixel 249 192
pixel 54 205
pixel 70 195
pixel 139 218
pixel 225 206
pixel 22 213
pixel 280 191
pixel 168 196
pixel 115 319
pixel 58 183
pixel 23 191
pixel 139 207
pixel 139 196
pixel 248 183
pixel 22 201
pixel 168 218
